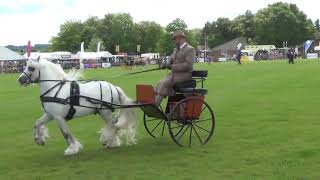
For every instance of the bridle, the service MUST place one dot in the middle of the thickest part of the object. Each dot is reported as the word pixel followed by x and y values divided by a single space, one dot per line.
pixel 32 69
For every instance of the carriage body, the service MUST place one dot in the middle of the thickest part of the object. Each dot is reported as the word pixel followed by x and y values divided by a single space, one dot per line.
pixel 182 112
pixel 189 110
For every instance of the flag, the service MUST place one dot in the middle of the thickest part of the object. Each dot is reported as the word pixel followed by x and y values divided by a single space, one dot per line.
pixel 29 48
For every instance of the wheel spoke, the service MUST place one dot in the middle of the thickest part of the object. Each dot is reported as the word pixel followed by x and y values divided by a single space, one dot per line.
pixel 202 120
pixel 177 126
pixel 197 134
pixel 164 123
pixel 203 109
pixel 190 137
pixel 183 133
pixel 152 120
pixel 175 123
pixel 156 126
pixel 202 128
pixel 179 131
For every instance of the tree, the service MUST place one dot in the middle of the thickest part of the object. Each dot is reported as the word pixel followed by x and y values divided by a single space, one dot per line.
pixel 166 44
pixel 117 29
pixel 104 31
pixel 218 32
pixel 122 32
pixel 94 44
pixel 243 26
pixel 69 37
pixel 176 24
pixel 89 30
pixel 281 22
pixel 194 37
pixel 72 33
pixel 147 34
pixel 224 30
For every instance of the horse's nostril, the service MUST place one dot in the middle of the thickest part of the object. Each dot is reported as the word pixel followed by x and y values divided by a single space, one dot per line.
pixel 23 80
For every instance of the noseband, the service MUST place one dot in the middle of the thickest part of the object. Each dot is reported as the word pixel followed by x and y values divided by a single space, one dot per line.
pixel 30 76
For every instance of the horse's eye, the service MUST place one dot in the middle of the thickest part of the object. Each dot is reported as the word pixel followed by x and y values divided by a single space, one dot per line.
pixel 31 69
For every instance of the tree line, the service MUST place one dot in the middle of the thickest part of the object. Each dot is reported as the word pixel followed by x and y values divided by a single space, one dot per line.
pixel 275 24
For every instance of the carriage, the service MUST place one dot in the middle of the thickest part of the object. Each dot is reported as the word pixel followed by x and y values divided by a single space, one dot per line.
pixel 188 118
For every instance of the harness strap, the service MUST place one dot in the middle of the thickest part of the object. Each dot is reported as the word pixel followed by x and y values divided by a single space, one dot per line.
pixel 54 99
pixel 118 95
pixel 59 89
pixel 74 100
pixel 60 83
pixel 51 99
pixel 111 94
pixel 100 94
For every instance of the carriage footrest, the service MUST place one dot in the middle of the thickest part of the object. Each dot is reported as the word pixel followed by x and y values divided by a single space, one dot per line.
pixel 200 91
pixel 152 110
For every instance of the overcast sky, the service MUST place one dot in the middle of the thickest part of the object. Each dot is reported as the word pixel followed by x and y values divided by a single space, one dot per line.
pixel 39 20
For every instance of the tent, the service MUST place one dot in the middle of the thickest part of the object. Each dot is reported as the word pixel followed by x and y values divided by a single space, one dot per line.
pixel 10 61
pixel 8 55
pixel 228 49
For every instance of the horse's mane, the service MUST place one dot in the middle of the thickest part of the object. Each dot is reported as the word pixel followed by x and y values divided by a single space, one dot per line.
pixel 72 75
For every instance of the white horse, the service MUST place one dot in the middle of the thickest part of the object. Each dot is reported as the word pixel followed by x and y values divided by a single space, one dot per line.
pixel 59 105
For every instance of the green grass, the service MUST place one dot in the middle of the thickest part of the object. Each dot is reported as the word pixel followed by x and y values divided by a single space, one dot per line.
pixel 267 127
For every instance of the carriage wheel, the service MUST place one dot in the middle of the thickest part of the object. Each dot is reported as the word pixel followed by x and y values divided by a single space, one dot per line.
pixel 154 126
pixel 191 131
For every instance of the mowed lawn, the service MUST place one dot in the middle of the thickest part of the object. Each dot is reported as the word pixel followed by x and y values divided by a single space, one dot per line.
pixel 267 127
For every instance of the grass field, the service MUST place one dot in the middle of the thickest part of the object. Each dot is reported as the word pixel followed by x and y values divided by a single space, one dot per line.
pixel 267 127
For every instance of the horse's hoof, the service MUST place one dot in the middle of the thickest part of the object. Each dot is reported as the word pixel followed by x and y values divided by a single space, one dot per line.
pixel 73 149
pixel 112 147
pixel 39 142
pixel 70 153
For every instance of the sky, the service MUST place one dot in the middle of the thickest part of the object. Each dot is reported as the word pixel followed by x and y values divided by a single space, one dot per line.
pixel 39 20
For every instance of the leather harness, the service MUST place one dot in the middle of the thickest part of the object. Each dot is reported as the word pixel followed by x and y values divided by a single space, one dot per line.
pixel 74 98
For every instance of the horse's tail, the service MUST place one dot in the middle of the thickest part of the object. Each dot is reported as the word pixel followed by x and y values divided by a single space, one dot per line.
pixel 126 118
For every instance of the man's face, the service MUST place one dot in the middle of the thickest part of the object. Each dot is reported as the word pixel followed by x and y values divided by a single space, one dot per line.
pixel 179 40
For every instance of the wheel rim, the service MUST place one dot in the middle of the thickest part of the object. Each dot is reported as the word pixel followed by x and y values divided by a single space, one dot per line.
pixel 154 126
pixel 191 132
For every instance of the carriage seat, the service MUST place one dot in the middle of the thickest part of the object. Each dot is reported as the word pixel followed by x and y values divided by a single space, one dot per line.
pixel 189 87
pixel 185 84
pixel 200 91
pixel 199 74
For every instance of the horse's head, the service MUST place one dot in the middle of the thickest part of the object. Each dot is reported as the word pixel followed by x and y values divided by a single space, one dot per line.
pixel 31 73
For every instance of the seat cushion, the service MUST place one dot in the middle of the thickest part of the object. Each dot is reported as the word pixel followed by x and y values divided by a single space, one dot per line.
pixel 185 84
pixel 201 74
pixel 193 91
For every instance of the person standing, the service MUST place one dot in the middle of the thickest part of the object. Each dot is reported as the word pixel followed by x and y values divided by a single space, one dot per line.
pixel 291 57
pixel 181 65
pixel 238 57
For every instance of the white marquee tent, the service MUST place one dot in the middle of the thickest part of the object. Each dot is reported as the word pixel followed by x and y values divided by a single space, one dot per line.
pixel 8 55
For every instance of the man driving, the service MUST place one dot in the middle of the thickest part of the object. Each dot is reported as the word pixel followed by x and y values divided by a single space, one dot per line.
pixel 181 65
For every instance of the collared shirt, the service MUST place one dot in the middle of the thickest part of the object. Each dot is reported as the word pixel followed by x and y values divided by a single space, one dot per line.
pixel 185 43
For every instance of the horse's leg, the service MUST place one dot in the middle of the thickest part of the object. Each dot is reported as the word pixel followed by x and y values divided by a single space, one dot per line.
pixel 40 132
pixel 74 146
pixel 109 137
